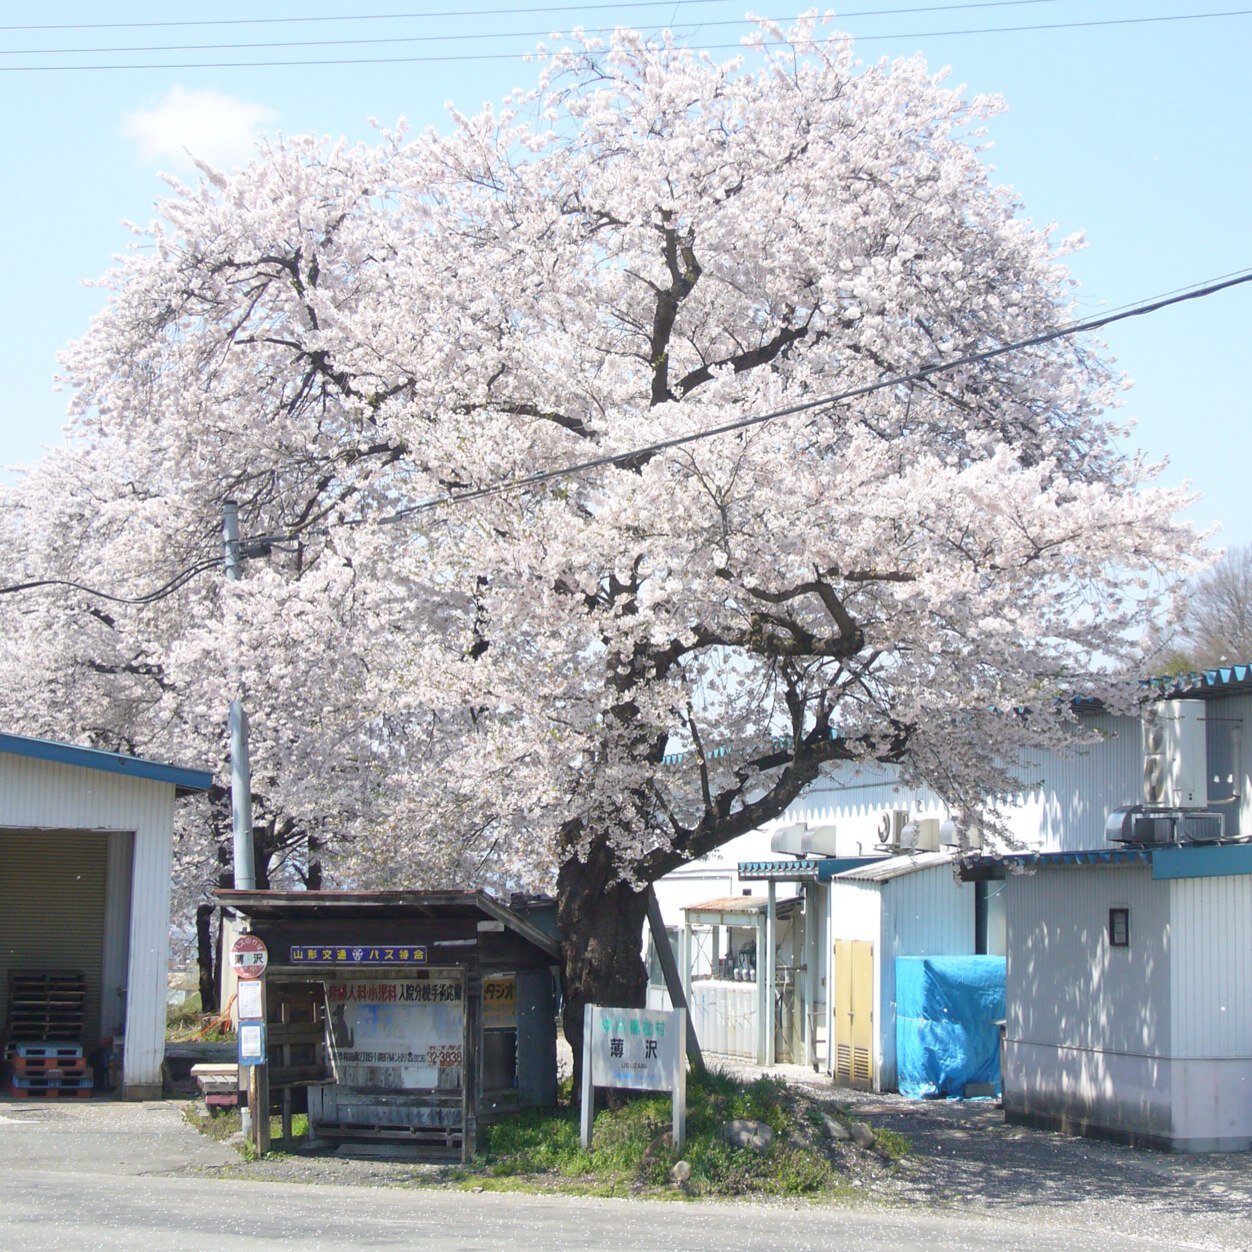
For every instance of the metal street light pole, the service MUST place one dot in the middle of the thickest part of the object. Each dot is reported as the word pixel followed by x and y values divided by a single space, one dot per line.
pixel 240 769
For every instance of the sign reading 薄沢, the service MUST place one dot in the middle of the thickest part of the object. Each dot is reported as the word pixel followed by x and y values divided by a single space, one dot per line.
pixel 389 1035
pixel 634 1048
pixel 639 1049
pixel 248 957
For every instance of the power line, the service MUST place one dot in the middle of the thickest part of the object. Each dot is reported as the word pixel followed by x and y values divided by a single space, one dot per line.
pixel 1142 309
pixel 928 371
pixel 461 36
pixel 151 597
pixel 462 57
pixel 472 13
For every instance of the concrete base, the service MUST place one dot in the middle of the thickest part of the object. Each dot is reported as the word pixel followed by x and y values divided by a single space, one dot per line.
pixel 1168 1103
pixel 1067 1124
pixel 141 1091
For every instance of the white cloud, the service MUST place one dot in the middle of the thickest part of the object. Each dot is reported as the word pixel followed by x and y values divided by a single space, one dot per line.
pixel 217 129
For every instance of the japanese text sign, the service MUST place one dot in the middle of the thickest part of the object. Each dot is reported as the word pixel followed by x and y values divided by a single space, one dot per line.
pixel 358 954
pixel 639 1049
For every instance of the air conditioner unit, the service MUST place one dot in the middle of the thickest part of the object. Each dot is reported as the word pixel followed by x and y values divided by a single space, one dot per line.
pixel 891 828
pixel 1175 760
pixel 1138 825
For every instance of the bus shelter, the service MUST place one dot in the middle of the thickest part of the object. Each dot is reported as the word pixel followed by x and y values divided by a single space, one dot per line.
pixel 405 1017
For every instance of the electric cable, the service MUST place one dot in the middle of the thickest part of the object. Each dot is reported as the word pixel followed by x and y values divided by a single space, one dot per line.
pixel 1153 305
pixel 634 454
pixel 160 593
pixel 462 57
pixel 473 13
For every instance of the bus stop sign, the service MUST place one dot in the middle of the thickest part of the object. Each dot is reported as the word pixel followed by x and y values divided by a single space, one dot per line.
pixel 248 957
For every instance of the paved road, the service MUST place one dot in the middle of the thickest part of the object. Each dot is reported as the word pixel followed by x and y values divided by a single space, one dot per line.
pixel 101 1175
pixel 40 1210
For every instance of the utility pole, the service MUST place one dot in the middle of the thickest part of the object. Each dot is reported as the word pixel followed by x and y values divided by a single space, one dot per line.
pixel 240 769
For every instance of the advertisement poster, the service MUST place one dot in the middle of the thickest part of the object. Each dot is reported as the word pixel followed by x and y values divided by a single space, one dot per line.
pixel 500 1003
pixel 401 1035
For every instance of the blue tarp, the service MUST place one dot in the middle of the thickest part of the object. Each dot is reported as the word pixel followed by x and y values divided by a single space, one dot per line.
pixel 948 1010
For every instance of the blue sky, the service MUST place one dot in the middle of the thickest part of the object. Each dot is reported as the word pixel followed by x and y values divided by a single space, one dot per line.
pixel 1139 134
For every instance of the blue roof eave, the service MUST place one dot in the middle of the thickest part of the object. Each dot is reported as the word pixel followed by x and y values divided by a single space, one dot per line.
pixel 185 781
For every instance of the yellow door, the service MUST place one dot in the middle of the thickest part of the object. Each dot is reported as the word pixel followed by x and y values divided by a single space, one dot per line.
pixel 854 1012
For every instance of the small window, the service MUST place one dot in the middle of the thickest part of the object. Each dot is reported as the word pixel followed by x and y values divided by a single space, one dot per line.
pixel 1119 928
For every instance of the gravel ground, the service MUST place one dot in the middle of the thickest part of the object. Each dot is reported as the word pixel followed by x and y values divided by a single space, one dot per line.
pixel 964 1159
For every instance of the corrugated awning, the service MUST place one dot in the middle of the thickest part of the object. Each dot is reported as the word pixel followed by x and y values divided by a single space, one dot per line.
pixel 739 910
pixel 883 868
pixel 808 869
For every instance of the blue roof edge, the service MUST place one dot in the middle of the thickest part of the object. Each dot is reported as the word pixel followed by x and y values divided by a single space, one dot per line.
pixel 1168 861
pixel 185 781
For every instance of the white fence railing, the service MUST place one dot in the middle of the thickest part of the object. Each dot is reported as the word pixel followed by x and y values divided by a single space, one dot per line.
pixel 725 1016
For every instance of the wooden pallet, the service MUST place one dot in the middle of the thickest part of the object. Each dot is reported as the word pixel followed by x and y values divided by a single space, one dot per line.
pixel 46 1005
pixel 35 1051
pixel 49 1087
pixel 36 1067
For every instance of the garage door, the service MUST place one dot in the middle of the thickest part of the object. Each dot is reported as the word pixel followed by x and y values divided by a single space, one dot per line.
pixel 52 898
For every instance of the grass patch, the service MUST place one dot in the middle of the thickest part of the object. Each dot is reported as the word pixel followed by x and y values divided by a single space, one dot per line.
pixel 185 1023
pixel 220 1126
pixel 631 1151
pixel 891 1143
pixel 227 1123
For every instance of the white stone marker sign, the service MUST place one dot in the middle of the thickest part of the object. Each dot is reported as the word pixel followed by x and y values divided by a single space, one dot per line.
pixel 639 1049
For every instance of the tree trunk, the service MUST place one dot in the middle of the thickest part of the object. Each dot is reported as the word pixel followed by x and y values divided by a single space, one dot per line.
pixel 601 922
pixel 204 957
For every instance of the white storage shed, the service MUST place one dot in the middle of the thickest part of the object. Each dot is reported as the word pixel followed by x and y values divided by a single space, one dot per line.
pixel 85 858
pixel 1129 995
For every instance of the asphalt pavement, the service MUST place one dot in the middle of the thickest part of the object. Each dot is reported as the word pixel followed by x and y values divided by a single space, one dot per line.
pixel 104 1174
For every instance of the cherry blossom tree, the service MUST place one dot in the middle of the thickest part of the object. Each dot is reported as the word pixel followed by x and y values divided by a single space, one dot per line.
pixel 468 662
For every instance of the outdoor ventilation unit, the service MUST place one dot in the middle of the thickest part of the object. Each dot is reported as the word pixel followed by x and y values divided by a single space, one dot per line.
pixel 1175 765
pixel 1148 827
pixel 921 835
pixel 820 841
pixel 801 839
pixel 950 836
pixel 790 839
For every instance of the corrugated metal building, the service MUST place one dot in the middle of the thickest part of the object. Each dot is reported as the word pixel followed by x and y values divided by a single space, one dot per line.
pixel 85 855
pixel 1129 995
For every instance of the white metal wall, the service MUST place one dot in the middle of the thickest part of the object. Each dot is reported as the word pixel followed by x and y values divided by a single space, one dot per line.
pixel 1211 960
pixel 1240 708
pixel 1071 794
pixel 1065 797
pixel 926 913
pixel 115 962
pixel 40 795
pixel 855 912
pixel 1066 986
pixel 725 1016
